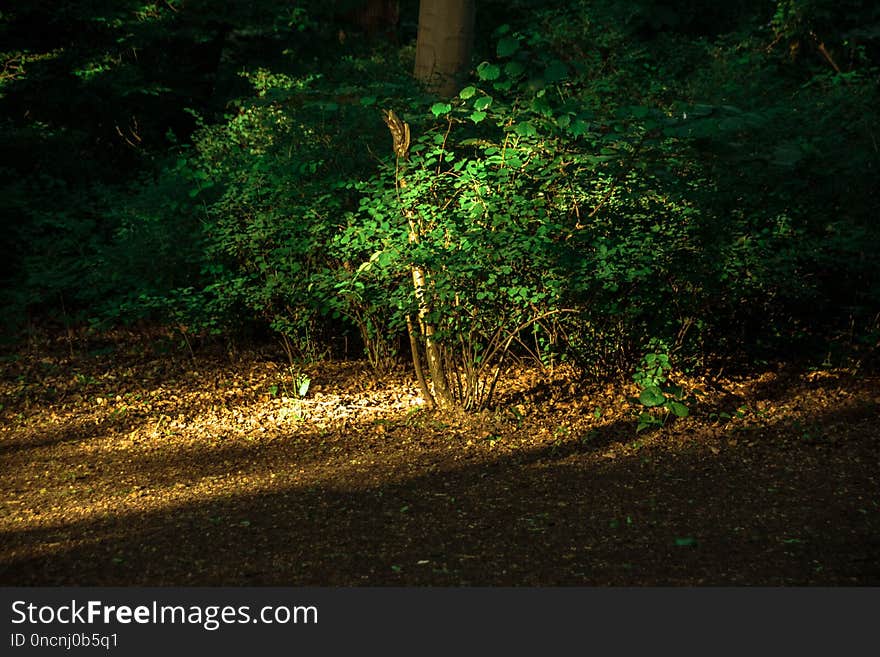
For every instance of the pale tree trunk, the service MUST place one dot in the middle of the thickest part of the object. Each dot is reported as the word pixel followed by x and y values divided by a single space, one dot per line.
pixel 441 395
pixel 433 352
pixel 443 49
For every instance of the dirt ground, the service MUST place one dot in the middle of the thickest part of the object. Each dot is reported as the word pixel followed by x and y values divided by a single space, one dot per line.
pixel 124 465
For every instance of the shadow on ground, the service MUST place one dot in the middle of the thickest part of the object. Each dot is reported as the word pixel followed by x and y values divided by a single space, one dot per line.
pixel 770 510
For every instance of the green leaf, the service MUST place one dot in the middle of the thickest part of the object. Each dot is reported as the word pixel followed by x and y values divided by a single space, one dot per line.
pixel 467 92
pixel 787 155
pixel 439 109
pixel 652 396
pixel 476 117
pixel 525 129
pixel 487 71
pixel 482 103
pixel 514 69
pixel 303 386
pixel 555 72
pixel 679 409
pixel 507 46
pixel 579 128
pixel 685 541
pixel 647 420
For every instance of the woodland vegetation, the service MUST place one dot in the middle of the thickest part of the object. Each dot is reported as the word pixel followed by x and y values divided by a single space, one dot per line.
pixel 415 283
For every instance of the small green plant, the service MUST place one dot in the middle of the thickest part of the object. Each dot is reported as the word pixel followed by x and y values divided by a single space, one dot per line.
pixel 84 380
pixel 658 394
pixel 301 383
pixel 724 416
pixel 298 386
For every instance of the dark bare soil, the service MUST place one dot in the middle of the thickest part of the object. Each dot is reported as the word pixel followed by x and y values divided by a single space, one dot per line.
pixel 122 465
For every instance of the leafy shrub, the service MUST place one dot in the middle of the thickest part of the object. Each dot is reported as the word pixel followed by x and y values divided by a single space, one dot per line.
pixel 657 392
pixel 611 174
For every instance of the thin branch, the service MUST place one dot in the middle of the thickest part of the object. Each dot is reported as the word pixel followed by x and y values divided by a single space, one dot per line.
pixel 504 346
pixel 443 145
pixel 820 45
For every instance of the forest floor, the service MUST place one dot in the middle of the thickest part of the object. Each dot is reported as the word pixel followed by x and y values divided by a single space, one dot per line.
pixel 123 465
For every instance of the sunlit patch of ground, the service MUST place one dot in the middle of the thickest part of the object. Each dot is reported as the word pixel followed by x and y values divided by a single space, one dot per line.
pixel 126 467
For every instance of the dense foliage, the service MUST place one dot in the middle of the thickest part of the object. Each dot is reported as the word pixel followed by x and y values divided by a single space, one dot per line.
pixel 658 176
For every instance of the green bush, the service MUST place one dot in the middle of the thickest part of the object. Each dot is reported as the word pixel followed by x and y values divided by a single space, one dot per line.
pixel 609 176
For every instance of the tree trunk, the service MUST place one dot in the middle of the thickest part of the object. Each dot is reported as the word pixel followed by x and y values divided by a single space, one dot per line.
pixel 442 396
pixel 417 364
pixel 443 49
